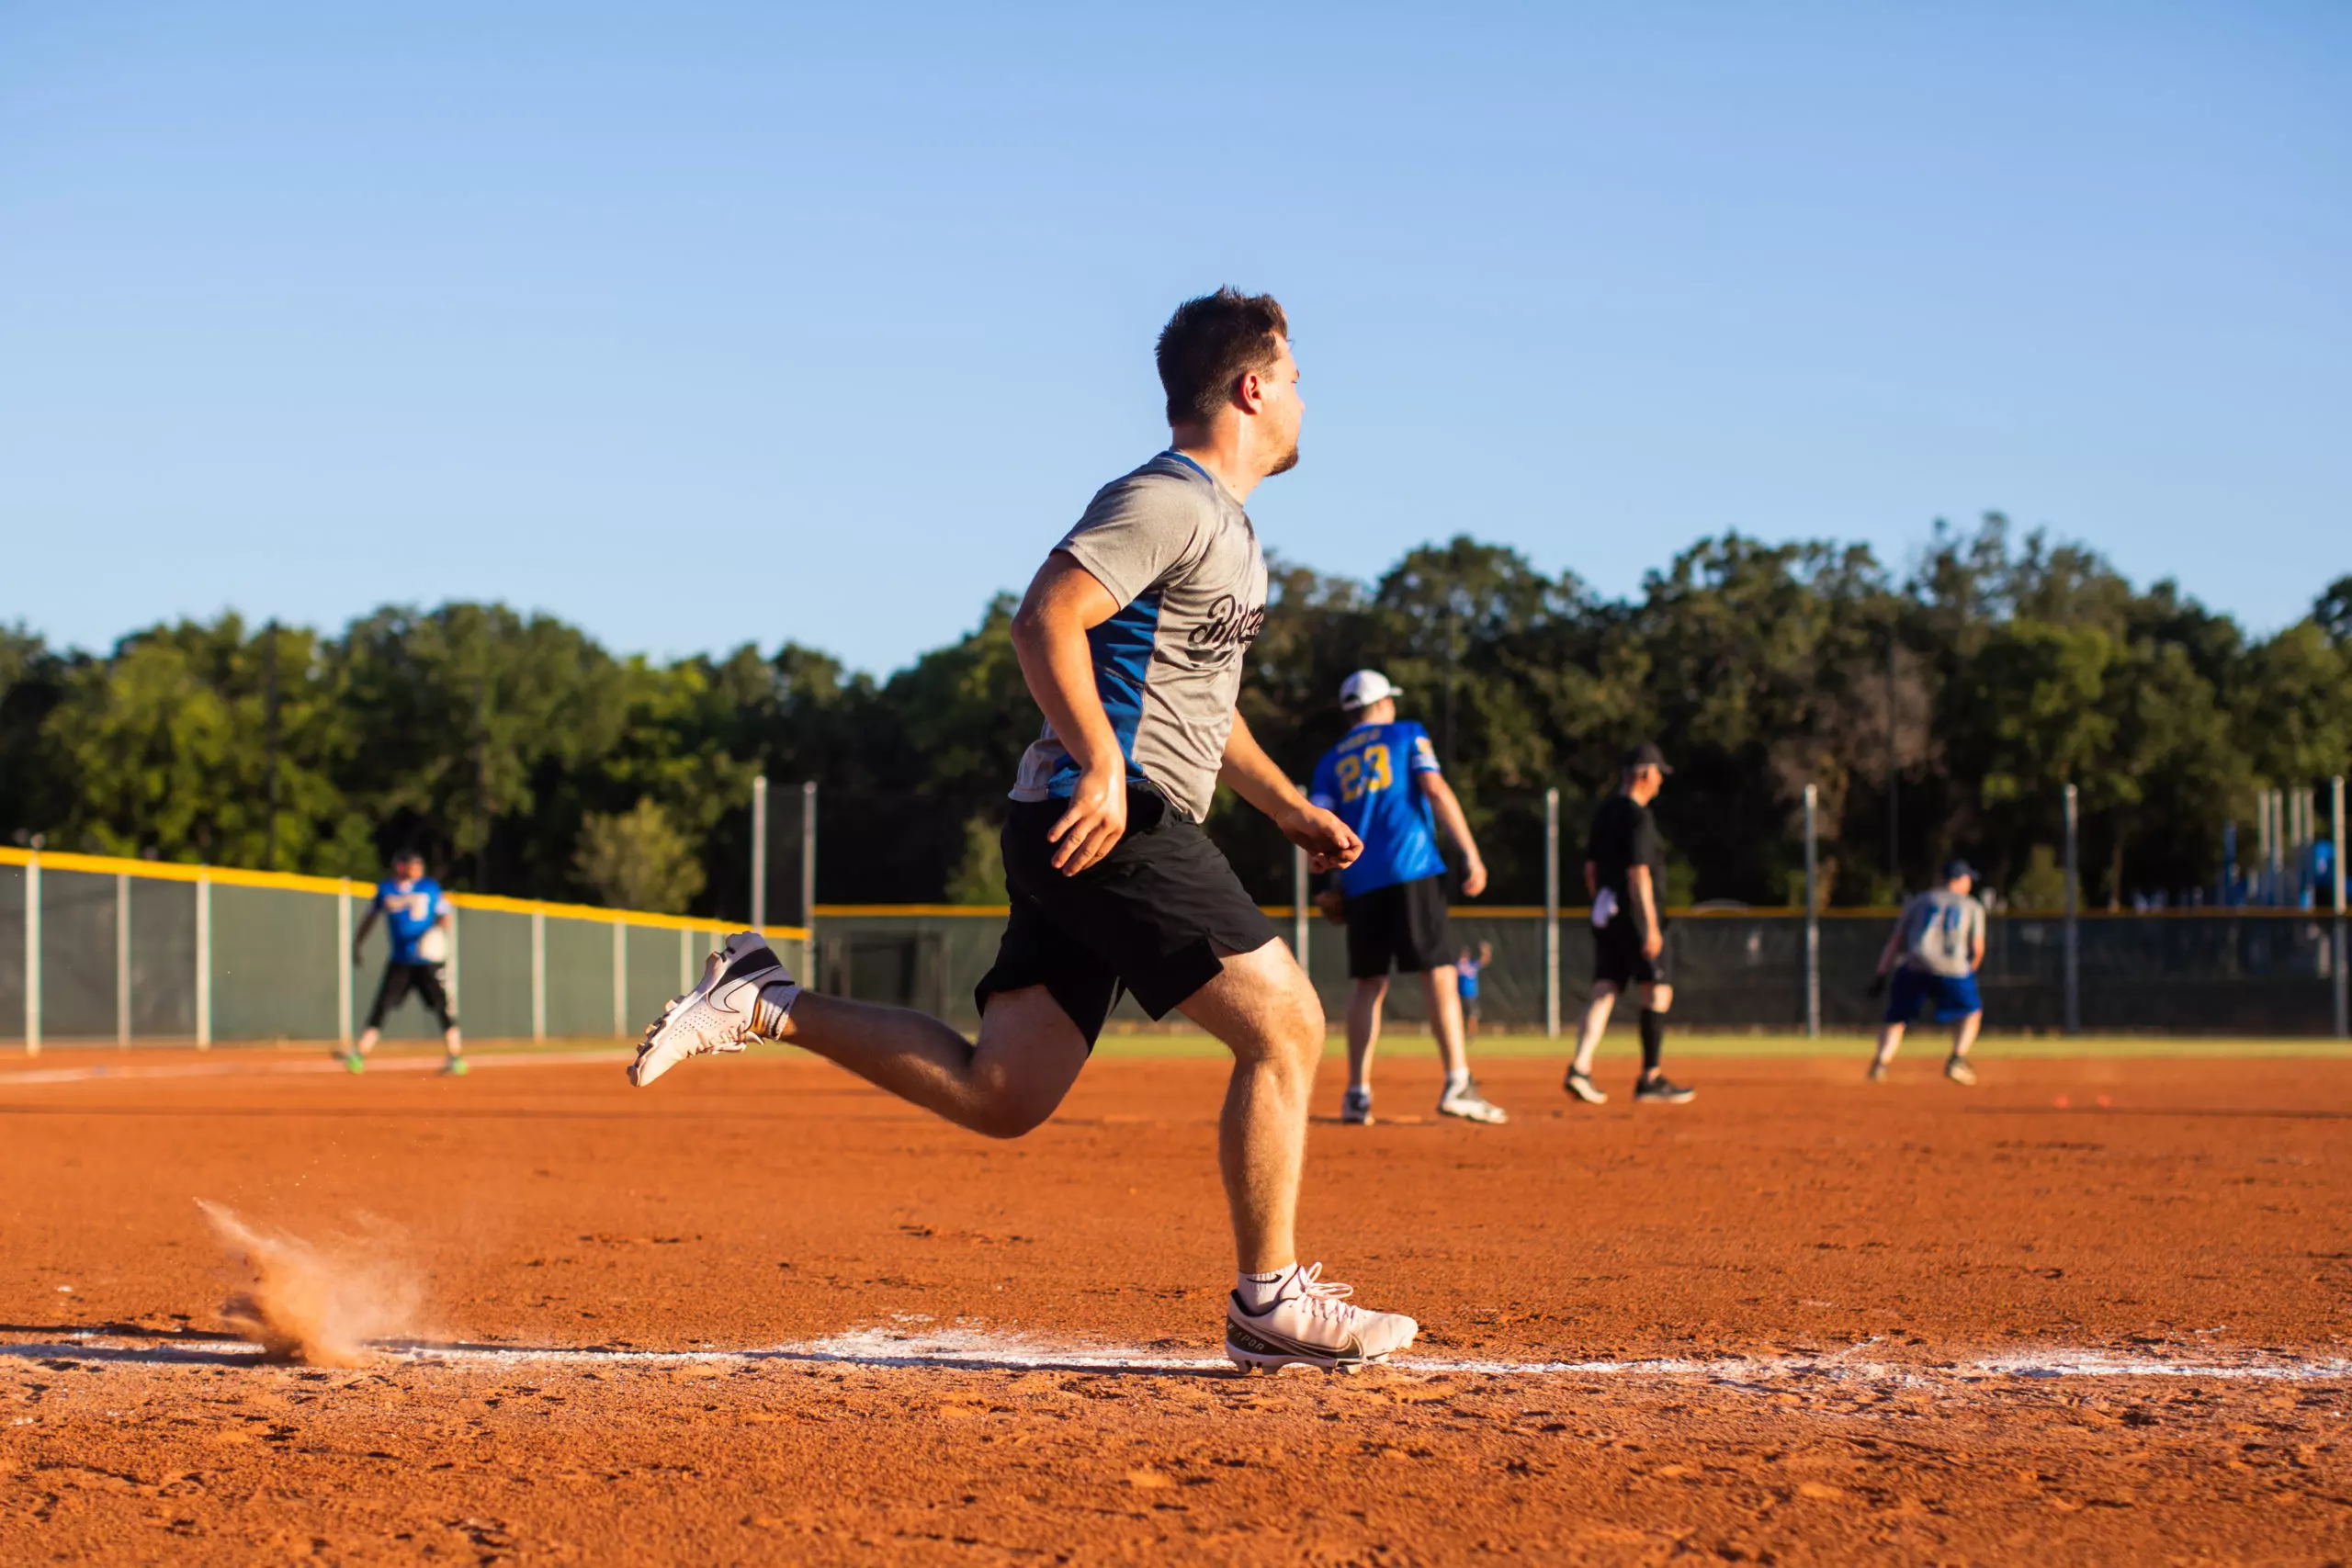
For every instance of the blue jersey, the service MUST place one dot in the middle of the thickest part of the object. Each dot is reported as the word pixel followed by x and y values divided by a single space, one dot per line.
pixel 1465 977
pixel 409 910
pixel 1369 779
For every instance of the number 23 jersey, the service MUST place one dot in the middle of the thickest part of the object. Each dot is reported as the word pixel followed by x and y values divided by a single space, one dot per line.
pixel 1369 780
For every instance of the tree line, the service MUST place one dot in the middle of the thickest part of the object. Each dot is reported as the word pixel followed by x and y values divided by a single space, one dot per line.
pixel 1939 712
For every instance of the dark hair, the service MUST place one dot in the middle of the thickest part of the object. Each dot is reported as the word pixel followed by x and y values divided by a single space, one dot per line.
pixel 407 851
pixel 1209 344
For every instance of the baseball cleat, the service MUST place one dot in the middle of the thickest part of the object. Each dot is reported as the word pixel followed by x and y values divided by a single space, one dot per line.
pixel 1313 1324
pixel 1584 1089
pixel 1355 1109
pixel 454 1067
pixel 725 1011
pixel 1470 1105
pixel 1878 1072
pixel 353 1062
pixel 1957 1069
pixel 1662 1090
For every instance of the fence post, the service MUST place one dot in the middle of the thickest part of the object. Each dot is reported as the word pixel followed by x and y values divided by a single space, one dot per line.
pixel 759 852
pixel 32 954
pixel 685 960
pixel 620 979
pixel 2073 899
pixel 809 876
pixel 1298 905
pixel 538 974
pixel 343 962
pixel 203 960
pixel 1552 913
pixel 122 960
pixel 2343 981
pixel 1812 917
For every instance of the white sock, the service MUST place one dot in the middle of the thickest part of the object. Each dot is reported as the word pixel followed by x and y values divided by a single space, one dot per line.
pixel 1258 1291
pixel 1456 1082
pixel 768 1010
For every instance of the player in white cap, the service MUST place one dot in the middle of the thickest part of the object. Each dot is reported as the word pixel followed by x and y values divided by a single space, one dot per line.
pixel 1382 781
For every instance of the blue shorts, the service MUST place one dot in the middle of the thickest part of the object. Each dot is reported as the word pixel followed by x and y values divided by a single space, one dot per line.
pixel 1954 995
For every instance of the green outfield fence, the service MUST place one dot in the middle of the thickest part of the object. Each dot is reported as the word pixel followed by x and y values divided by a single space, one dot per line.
pixel 2242 972
pixel 140 952
pixel 133 952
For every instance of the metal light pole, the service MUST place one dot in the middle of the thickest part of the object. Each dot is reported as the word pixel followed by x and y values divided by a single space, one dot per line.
pixel 1812 915
pixel 759 852
pixel 2074 897
pixel 808 872
pixel 1552 913
pixel 2343 981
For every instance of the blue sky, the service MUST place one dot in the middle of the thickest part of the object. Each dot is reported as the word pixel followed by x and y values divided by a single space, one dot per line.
pixel 705 323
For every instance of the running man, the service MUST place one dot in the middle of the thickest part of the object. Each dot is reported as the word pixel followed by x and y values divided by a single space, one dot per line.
pixel 1383 780
pixel 1131 639
pixel 1934 951
pixel 1466 968
pixel 418 920
pixel 1624 874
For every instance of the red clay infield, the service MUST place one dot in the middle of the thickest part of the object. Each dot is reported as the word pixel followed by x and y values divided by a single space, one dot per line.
pixel 1804 1321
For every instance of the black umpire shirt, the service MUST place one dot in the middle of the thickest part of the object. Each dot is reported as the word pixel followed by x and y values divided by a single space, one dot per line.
pixel 1625 835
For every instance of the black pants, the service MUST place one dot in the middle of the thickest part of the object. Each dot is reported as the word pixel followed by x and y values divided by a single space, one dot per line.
pixel 399 980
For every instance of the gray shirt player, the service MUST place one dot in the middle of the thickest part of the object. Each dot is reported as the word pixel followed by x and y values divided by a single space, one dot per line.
pixel 1178 553
pixel 1940 932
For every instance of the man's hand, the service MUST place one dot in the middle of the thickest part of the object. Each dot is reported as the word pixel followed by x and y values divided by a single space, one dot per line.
pixel 1096 820
pixel 1330 843
pixel 1653 942
pixel 1474 877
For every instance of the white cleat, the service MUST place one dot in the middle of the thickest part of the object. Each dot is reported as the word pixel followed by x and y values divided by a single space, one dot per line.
pixel 1313 1324
pixel 1471 1106
pixel 725 1011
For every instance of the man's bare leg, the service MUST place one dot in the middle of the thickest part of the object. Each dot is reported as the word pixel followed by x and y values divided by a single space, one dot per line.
pixel 1028 1055
pixel 1596 1024
pixel 1267 1014
pixel 1442 996
pixel 1889 1041
pixel 1963 1033
pixel 1364 1029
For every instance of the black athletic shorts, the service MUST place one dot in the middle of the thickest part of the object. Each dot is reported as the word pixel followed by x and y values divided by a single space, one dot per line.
pixel 1401 926
pixel 1617 956
pixel 1148 916
pixel 399 980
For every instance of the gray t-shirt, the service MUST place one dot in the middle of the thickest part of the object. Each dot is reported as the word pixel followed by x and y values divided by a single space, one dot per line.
pixel 1178 553
pixel 1940 932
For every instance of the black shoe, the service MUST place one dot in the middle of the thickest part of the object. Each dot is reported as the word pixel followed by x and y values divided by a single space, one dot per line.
pixel 1660 1090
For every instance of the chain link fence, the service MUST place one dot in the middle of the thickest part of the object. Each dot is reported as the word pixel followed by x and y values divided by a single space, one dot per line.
pixel 2228 972
pixel 96 950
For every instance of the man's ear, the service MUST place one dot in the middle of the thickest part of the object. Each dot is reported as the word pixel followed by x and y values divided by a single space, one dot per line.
pixel 1249 391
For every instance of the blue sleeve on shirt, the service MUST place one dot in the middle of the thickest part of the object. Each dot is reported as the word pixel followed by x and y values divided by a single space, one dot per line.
pixel 1324 789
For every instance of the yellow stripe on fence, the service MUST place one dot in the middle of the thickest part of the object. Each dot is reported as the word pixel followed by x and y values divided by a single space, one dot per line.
pixel 232 876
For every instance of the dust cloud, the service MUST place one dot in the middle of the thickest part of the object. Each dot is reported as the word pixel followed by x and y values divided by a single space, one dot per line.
pixel 318 1305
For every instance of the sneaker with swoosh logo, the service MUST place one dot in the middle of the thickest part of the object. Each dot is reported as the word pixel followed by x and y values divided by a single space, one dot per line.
pixel 743 996
pixel 1313 1323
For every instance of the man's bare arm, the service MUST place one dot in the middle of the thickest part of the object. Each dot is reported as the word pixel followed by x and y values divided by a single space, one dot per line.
pixel 1637 882
pixel 1328 842
pixel 1064 602
pixel 1451 816
pixel 359 937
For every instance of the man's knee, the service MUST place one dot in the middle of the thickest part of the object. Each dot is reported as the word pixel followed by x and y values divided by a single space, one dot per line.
pixel 1009 1118
pixel 1657 997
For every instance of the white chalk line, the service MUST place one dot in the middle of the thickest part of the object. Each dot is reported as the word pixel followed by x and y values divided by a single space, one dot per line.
pixel 964 1350
pixel 298 1066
